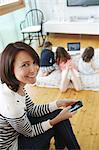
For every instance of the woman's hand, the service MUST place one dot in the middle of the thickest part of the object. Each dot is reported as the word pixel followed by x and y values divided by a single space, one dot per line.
pixel 63 115
pixel 65 102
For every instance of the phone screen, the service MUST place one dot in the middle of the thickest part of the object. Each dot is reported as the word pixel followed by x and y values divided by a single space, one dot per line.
pixel 76 106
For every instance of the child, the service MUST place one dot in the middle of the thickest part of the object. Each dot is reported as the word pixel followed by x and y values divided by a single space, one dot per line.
pixel 47 63
pixel 86 63
pixel 69 70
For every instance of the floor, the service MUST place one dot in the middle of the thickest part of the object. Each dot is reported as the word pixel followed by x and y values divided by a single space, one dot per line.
pixel 86 121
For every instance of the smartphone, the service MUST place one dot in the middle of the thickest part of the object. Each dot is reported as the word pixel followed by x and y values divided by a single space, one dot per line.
pixel 76 106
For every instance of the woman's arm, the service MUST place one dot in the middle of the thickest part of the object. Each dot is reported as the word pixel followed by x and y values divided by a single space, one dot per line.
pixel 39 110
pixel 23 126
pixel 20 122
pixel 15 118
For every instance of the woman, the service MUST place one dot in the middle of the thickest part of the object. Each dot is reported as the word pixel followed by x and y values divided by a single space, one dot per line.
pixel 23 124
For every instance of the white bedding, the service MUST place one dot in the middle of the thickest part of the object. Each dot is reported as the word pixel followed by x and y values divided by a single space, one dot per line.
pixel 90 82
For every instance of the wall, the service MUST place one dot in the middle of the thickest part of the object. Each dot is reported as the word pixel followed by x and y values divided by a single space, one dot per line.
pixel 10 25
pixel 57 10
pixel 9 28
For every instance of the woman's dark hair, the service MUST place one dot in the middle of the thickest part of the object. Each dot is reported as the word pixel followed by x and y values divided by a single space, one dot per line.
pixel 7 63
pixel 88 54
pixel 61 53
pixel 47 44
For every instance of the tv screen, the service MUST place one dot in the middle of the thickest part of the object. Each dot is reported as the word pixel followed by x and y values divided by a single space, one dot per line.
pixel 82 2
pixel 75 46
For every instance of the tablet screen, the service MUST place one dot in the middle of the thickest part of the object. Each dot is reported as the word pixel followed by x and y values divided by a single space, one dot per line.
pixel 73 46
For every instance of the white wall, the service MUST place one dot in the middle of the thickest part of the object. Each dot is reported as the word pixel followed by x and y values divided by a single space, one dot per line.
pixel 58 10
pixel 10 26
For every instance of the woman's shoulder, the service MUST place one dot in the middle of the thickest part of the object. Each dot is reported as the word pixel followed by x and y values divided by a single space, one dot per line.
pixel 5 91
pixel 9 102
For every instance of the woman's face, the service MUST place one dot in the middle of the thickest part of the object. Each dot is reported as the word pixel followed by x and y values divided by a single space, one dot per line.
pixel 25 69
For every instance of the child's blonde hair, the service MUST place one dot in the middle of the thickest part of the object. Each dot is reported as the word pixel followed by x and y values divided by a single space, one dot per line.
pixel 88 54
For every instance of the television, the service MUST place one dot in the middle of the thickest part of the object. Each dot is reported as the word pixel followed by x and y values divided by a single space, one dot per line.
pixel 71 3
pixel 74 46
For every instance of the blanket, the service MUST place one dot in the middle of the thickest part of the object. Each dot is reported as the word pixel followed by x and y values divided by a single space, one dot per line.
pixel 90 82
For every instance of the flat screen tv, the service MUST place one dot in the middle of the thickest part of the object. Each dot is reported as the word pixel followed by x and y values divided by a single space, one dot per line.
pixel 71 3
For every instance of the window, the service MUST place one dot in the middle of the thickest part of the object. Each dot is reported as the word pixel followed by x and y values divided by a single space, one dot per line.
pixel 7 6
